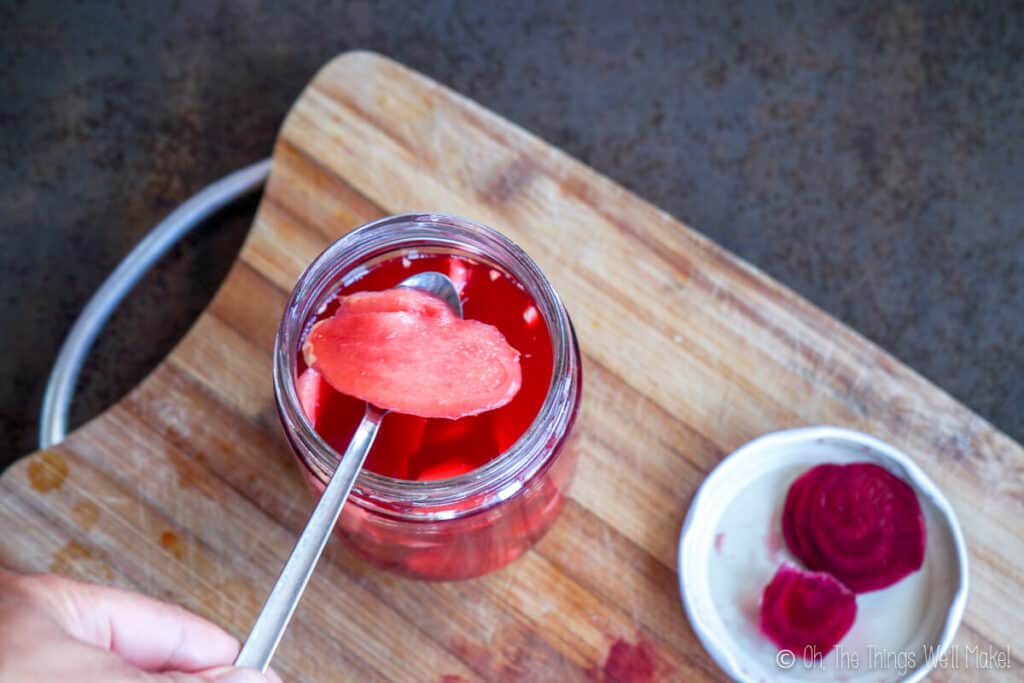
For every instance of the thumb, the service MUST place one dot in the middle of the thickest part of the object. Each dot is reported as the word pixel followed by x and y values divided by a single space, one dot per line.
pixel 234 674
pixel 225 674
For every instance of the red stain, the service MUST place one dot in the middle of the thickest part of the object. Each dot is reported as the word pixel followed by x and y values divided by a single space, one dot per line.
pixel 452 678
pixel 750 607
pixel 47 471
pixel 627 663
pixel 719 541
pixel 170 542
pixel 774 542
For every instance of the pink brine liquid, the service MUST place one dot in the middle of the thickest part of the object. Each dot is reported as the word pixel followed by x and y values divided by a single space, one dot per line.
pixel 421 449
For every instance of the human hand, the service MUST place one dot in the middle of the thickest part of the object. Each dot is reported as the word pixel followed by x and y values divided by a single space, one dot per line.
pixel 55 629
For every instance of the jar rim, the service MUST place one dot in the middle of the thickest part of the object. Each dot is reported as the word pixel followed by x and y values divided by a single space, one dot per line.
pixel 500 478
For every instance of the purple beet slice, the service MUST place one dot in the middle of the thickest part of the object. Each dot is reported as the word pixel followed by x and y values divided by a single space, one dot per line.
pixel 806 613
pixel 857 522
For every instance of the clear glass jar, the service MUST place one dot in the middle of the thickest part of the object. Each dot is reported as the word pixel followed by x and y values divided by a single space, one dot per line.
pixel 467 525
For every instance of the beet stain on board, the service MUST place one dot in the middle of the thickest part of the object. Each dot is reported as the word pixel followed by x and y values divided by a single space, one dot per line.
pixel 78 561
pixel 170 542
pixel 47 472
pixel 627 663
pixel 85 513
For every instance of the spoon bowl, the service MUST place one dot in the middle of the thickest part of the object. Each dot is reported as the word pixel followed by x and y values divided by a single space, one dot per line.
pixel 437 284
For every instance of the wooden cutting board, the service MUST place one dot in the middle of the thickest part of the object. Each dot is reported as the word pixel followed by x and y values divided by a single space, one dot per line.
pixel 185 489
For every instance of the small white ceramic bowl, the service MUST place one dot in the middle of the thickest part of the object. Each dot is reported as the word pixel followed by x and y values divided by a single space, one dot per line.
pixel 731 546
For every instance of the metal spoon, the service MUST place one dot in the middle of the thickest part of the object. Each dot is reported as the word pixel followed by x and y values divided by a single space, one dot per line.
pixel 277 610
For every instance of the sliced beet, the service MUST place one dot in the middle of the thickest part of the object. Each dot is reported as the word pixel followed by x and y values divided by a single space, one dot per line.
pixel 395 448
pixel 858 522
pixel 445 470
pixel 400 351
pixel 310 386
pixel 806 613
pixel 331 414
pixel 398 300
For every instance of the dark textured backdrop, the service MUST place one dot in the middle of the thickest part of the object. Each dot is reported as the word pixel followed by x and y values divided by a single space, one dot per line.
pixel 869 155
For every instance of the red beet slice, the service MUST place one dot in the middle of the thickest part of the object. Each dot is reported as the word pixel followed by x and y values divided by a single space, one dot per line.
pixel 445 470
pixel 331 414
pixel 393 452
pixel 398 350
pixel 857 522
pixel 440 458
pixel 806 613
pixel 398 300
pixel 310 387
pixel 326 408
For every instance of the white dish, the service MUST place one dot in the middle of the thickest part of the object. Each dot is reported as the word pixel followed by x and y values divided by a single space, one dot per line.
pixel 731 545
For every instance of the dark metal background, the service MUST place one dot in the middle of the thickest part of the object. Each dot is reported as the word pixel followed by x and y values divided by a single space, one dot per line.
pixel 869 155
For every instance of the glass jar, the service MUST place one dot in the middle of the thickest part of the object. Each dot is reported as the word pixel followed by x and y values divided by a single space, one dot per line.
pixel 466 525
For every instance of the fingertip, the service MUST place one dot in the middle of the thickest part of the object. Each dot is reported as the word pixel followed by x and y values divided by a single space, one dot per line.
pixel 240 675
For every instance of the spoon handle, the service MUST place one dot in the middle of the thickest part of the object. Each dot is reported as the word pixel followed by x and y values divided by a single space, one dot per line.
pixel 277 610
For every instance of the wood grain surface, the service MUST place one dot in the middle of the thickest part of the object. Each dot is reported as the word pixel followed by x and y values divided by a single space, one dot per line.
pixel 186 490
